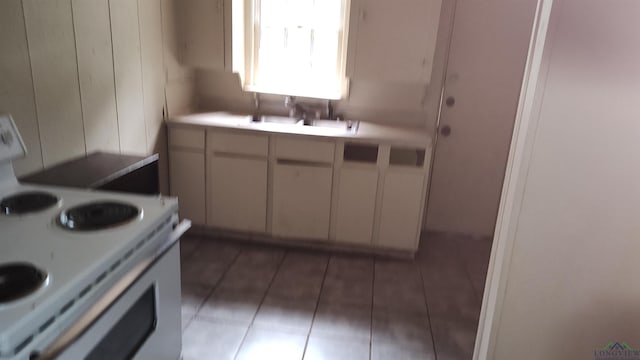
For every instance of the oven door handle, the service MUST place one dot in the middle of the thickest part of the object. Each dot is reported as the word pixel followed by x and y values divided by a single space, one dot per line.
pixel 178 231
pixel 96 311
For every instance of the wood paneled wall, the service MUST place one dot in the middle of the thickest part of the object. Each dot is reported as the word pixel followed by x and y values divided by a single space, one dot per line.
pixel 86 75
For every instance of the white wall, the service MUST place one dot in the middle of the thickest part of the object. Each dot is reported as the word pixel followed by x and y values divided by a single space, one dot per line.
pixel 86 75
pixel 572 280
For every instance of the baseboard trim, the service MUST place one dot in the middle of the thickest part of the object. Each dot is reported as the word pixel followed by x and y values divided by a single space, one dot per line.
pixel 321 245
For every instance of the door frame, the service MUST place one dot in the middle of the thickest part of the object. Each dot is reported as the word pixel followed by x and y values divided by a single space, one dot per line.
pixel 520 151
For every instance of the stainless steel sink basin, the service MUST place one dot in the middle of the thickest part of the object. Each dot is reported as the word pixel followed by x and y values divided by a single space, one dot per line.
pixel 293 125
pixel 271 119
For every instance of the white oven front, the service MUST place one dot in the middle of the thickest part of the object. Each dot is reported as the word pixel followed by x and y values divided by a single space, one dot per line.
pixel 144 323
pixel 138 318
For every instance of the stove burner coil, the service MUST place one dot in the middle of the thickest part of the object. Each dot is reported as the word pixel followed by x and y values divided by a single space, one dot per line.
pixel 18 280
pixel 97 215
pixel 27 202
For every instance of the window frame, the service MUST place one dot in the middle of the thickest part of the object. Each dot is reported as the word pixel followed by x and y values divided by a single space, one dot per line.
pixel 248 67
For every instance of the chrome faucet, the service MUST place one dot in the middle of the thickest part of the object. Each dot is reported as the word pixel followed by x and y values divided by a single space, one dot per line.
pixel 306 112
pixel 290 103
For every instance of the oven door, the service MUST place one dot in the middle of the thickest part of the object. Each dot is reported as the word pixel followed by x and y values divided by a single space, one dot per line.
pixel 144 323
pixel 138 318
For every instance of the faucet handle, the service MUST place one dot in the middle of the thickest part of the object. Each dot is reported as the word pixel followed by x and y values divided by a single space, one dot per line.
pixel 289 101
pixel 329 110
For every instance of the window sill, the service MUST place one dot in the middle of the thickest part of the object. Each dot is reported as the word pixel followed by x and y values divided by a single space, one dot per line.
pixel 325 95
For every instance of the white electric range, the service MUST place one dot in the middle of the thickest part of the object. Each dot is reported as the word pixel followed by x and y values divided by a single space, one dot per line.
pixel 85 274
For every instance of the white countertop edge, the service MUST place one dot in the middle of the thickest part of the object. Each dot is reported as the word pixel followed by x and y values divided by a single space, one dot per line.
pixel 393 135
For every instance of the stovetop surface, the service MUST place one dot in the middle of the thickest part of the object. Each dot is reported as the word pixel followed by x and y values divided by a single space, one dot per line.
pixel 70 258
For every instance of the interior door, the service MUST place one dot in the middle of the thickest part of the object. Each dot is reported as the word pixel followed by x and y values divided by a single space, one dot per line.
pixel 485 68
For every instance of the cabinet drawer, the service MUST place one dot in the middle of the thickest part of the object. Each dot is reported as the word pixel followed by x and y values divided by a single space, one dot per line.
pixel 307 150
pixel 242 144
pixel 186 138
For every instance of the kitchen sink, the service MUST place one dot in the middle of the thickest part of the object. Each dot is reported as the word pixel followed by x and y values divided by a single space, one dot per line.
pixel 293 125
pixel 270 119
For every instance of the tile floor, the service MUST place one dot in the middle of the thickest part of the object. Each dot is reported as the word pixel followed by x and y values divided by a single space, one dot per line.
pixel 248 301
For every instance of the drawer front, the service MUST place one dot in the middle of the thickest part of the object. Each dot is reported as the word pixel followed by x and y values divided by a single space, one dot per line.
pixel 241 144
pixel 307 150
pixel 186 138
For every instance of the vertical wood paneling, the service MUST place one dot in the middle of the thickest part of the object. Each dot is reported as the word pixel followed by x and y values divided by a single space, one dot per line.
pixel 84 75
pixel 150 20
pixel 95 71
pixel 128 76
pixel 16 85
pixel 153 81
pixel 55 77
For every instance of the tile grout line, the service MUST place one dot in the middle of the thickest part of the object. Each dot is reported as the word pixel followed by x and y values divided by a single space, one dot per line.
pixel 315 311
pixel 464 262
pixel 213 288
pixel 193 251
pixel 373 289
pixel 476 293
pixel 275 274
pixel 181 285
pixel 426 302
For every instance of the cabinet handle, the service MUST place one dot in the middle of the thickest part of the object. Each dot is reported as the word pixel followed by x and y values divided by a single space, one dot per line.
pixel 238 156
pixel 291 162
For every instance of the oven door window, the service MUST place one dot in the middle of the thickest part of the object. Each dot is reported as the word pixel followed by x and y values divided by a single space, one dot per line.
pixel 127 336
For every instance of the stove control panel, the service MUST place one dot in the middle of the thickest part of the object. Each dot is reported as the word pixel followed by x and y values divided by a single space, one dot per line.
pixel 11 145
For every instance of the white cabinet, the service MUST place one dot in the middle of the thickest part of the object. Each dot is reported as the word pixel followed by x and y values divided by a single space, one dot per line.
pixel 351 192
pixel 186 172
pixel 237 196
pixel 301 190
pixel 400 212
pixel 301 200
pixel 393 41
pixel 201 24
pixel 237 181
pixel 356 203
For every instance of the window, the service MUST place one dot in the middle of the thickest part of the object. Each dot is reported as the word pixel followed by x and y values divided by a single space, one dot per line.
pixel 296 47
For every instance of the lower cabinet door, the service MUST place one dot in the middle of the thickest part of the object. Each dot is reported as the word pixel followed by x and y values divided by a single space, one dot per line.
pixel 402 200
pixel 301 201
pixel 237 193
pixel 356 205
pixel 186 181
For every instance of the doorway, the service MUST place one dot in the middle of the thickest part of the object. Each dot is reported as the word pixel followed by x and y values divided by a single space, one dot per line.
pixel 487 54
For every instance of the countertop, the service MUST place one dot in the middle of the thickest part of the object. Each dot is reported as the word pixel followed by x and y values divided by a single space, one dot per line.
pixel 91 171
pixel 366 132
